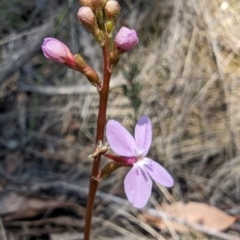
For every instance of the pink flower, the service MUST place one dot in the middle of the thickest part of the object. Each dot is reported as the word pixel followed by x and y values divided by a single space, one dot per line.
pixel 138 181
pixel 57 51
pixel 126 39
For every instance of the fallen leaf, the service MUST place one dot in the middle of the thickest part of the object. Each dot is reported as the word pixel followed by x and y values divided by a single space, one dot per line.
pixel 193 213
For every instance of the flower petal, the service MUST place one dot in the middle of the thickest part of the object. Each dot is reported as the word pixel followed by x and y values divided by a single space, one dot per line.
pixel 158 173
pixel 120 140
pixel 143 134
pixel 138 186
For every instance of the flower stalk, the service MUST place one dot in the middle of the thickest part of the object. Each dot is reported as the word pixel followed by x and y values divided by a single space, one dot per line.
pixel 101 122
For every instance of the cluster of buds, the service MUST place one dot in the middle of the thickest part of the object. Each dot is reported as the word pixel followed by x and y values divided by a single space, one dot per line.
pixel 99 17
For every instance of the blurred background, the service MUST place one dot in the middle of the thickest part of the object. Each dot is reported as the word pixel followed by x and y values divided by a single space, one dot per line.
pixel 184 74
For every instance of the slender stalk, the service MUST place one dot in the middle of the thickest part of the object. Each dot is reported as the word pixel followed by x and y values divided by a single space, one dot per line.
pixel 101 121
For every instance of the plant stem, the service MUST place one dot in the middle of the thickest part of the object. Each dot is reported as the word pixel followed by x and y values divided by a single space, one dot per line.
pixel 101 121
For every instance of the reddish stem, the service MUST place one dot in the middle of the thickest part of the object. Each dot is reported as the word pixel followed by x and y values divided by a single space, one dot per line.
pixel 101 121
pixel 123 160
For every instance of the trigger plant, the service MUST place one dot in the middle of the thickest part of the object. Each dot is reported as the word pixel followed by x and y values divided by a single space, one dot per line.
pixel 99 18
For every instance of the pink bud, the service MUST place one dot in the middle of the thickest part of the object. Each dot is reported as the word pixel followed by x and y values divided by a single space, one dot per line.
pixel 126 39
pixel 57 51
pixel 86 15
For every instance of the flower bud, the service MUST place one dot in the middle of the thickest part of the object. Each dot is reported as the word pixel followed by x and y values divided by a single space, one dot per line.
pixel 112 9
pixel 109 27
pixel 126 39
pixel 87 17
pixel 57 51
